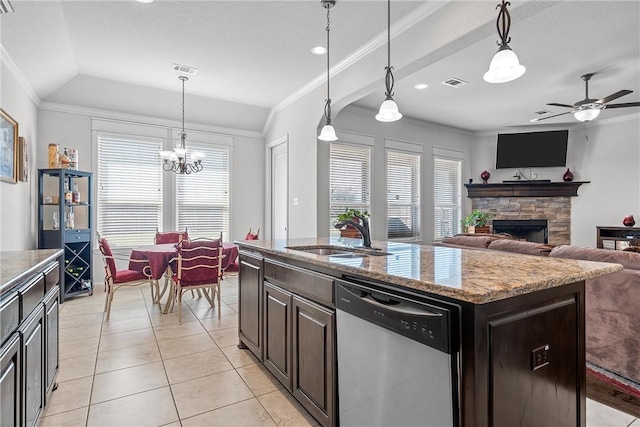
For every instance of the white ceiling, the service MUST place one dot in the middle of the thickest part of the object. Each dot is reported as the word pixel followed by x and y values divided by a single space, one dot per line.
pixel 253 55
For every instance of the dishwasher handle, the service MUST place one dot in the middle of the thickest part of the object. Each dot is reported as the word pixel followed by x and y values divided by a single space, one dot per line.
pixel 400 306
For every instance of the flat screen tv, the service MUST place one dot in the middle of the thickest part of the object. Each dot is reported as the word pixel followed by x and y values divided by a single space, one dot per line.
pixel 532 149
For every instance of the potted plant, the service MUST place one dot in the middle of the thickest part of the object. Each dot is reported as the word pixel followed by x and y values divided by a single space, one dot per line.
pixel 354 215
pixel 476 222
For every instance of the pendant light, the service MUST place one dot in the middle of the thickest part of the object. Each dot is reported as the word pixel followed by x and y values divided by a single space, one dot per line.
pixel 389 109
pixel 328 133
pixel 504 66
pixel 176 160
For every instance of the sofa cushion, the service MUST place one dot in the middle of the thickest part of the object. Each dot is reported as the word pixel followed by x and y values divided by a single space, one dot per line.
pixel 471 240
pixel 520 247
pixel 629 260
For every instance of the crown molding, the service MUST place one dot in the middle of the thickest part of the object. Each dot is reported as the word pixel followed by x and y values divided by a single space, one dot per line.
pixel 147 120
pixel 398 28
pixel 6 59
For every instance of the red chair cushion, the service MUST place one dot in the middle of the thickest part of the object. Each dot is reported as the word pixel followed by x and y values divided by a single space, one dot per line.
pixel 106 251
pixel 171 237
pixel 124 276
pixel 251 236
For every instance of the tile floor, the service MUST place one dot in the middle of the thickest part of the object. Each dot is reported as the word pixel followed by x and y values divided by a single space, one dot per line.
pixel 132 369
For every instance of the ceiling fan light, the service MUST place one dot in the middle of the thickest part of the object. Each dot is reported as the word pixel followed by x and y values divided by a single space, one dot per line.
pixel 504 66
pixel 328 133
pixel 388 111
pixel 587 114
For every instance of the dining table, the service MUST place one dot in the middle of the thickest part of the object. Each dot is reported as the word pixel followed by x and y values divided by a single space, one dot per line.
pixel 159 258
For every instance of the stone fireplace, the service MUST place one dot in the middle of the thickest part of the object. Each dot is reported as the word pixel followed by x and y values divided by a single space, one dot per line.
pixel 531 230
pixel 550 201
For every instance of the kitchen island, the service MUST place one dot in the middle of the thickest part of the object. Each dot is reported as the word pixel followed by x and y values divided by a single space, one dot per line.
pixel 514 324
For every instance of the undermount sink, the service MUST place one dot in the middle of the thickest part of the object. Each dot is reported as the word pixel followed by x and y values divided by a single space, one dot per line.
pixel 338 251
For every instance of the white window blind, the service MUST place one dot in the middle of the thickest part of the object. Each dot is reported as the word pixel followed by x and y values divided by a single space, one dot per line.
pixel 203 198
pixel 447 195
pixel 350 180
pixel 403 195
pixel 129 189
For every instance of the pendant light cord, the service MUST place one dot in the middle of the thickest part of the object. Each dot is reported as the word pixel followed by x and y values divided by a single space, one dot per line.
pixel 389 81
pixel 183 134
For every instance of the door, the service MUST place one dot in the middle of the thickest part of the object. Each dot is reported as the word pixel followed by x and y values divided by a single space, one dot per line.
pixel 277 332
pixel 32 366
pixel 10 394
pixel 250 299
pixel 279 191
pixel 313 358
pixel 51 338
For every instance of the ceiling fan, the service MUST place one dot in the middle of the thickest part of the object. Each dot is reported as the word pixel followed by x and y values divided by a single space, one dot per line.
pixel 588 109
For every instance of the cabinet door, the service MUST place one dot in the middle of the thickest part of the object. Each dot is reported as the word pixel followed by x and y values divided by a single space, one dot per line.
pixel 277 333
pixel 10 395
pixel 314 358
pixel 250 301
pixel 32 366
pixel 51 338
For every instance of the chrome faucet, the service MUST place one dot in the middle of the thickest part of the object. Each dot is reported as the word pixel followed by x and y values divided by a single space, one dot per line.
pixel 362 227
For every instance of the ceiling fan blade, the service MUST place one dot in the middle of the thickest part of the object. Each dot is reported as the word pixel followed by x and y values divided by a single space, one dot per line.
pixel 628 104
pixel 550 117
pixel 613 96
pixel 561 105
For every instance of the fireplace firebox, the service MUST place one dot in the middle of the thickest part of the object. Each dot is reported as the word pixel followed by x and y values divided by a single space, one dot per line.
pixel 531 230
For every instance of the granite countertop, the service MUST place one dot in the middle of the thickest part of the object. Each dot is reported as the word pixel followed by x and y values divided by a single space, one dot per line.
pixel 15 266
pixel 464 274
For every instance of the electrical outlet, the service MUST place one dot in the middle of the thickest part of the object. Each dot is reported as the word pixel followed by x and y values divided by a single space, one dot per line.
pixel 540 357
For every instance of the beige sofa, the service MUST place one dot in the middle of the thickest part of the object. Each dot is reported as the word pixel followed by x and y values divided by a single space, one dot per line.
pixel 612 301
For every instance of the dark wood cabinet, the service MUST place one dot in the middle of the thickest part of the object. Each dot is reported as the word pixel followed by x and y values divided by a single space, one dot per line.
pixel 51 324
pixel 277 332
pixel 32 333
pixel 250 278
pixel 10 371
pixel 617 237
pixel 314 358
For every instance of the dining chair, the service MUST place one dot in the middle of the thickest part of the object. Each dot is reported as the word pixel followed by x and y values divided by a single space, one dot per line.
pixel 170 236
pixel 115 279
pixel 252 236
pixel 198 267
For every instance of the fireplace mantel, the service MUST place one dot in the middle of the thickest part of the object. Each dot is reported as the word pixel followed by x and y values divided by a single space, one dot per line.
pixel 525 189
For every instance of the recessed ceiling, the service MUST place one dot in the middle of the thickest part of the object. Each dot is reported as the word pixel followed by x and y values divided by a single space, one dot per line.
pixel 252 55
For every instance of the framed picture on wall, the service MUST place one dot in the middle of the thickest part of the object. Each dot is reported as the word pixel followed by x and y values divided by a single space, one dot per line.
pixel 8 148
pixel 23 160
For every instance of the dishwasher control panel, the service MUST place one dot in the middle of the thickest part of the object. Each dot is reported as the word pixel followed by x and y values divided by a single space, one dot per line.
pixel 419 321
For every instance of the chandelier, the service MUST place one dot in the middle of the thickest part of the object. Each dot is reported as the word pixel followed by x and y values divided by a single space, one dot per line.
pixel 176 160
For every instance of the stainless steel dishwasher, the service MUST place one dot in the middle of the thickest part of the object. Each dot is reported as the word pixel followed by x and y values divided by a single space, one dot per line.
pixel 397 358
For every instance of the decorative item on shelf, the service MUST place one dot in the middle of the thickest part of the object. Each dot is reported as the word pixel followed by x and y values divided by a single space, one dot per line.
pixel 568 176
pixel 328 133
pixel 352 214
pixel 504 66
pixel 176 160
pixel 75 194
pixel 73 158
pixel 628 221
pixel 56 221
pixel 389 109
pixel 54 156
pixel 68 195
pixel 485 175
pixel 63 160
pixel 477 222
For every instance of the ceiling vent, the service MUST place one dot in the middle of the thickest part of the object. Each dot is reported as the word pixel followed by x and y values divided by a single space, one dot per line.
pixel 542 112
pixel 454 82
pixel 183 68
pixel 5 7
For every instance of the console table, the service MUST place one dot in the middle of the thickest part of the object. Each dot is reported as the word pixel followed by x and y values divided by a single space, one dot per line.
pixel 617 237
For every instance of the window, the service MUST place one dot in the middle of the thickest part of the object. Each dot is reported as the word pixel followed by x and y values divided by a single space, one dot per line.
pixel 350 180
pixel 136 196
pixel 203 198
pixel 403 193
pixel 129 189
pixel 447 192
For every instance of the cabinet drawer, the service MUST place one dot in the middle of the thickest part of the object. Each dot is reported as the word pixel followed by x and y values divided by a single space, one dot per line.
pixel 9 315
pixel 51 277
pixel 77 236
pixel 31 295
pixel 315 286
